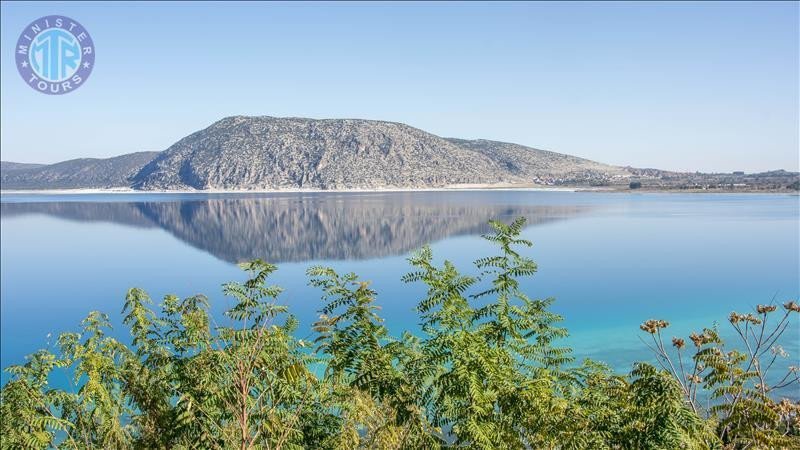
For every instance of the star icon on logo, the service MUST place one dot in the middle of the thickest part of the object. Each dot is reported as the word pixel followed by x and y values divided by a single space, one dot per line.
pixel 24 64
pixel 86 65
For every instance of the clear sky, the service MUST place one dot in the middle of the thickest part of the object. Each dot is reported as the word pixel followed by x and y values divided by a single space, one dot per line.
pixel 684 86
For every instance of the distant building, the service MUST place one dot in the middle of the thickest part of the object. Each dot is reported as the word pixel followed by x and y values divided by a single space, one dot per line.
pixel 738 173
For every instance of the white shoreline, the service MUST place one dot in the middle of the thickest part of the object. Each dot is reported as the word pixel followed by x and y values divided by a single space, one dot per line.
pixel 291 191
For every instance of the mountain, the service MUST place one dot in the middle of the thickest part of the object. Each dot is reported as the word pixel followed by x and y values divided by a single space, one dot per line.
pixel 7 166
pixel 542 166
pixel 272 153
pixel 289 153
pixel 75 173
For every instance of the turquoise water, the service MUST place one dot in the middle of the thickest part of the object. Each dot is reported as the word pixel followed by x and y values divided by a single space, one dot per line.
pixel 611 260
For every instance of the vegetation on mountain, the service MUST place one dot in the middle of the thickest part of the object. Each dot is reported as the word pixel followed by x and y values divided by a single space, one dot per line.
pixel 279 153
pixel 287 152
pixel 97 173
pixel 486 371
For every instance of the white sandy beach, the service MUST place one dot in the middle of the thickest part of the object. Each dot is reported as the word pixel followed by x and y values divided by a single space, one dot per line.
pixel 461 187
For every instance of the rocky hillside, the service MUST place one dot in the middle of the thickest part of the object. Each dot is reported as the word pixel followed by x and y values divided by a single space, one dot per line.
pixel 289 153
pixel 274 153
pixel 9 166
pixel 542 166
pixel 76 173
pixel 271 153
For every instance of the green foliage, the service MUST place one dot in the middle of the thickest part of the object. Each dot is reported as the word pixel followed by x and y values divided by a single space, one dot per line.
pixel 743 403
pixel 486 372
pixel 491 376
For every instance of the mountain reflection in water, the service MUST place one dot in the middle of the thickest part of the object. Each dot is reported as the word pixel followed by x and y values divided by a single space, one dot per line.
pixel 302 227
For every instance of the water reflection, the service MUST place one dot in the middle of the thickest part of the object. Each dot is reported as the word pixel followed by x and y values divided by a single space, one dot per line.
pixel 302 227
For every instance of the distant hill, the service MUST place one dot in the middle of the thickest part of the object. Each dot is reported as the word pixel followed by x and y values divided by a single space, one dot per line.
pixel 7 166
pixel 274 153
pixel 280 153
pixel 265 153
pixel 75 173
pixel 542 166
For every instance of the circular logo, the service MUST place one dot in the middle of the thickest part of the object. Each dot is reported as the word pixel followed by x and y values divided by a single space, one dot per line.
pixel 54 55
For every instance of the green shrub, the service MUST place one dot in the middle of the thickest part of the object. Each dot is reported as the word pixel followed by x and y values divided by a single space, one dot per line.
pixel 485 372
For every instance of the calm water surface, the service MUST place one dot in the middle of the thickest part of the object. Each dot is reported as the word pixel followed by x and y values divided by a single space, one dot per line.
pixel 610 260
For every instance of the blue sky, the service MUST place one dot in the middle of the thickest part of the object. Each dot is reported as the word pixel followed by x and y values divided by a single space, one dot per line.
pixel 684 86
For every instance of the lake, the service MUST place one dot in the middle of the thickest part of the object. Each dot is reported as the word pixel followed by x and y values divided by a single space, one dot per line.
pixel 611 260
